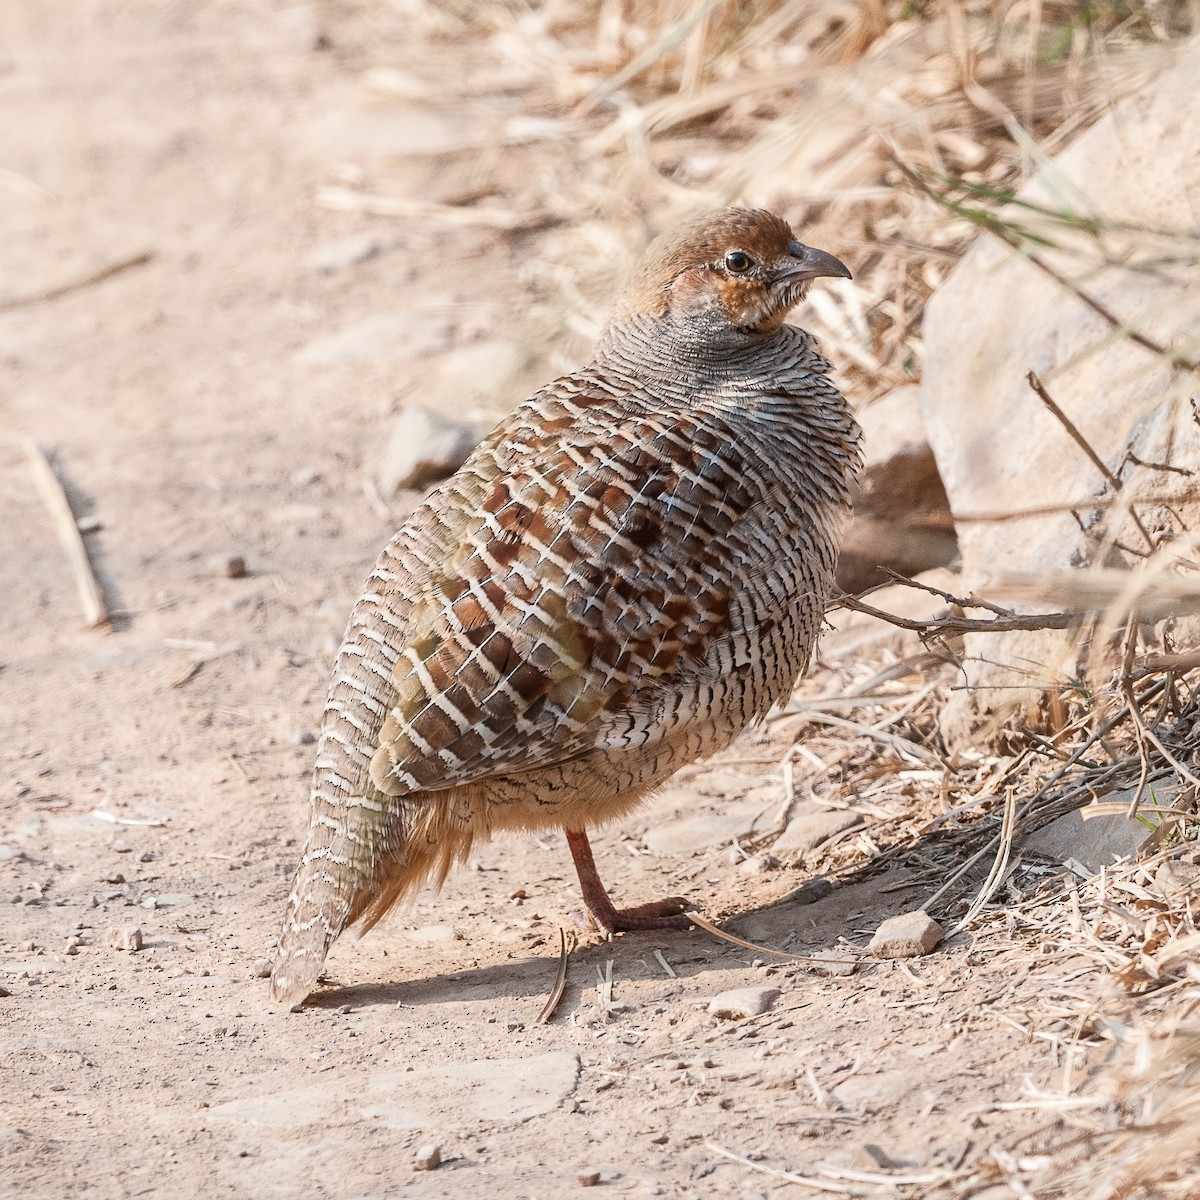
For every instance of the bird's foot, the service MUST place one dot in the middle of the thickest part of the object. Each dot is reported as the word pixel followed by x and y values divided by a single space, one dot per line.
pixel 658 914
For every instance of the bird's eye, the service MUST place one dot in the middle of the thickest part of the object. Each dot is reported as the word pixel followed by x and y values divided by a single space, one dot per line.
pixel 738 262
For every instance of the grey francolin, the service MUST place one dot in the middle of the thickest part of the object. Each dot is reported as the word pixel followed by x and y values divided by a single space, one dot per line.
pixel 626 573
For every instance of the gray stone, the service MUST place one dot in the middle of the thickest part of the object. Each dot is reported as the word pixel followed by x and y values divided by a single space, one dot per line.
pixel 906 936
pixel 260 968
pixel 688 835
pixel 125 937
pixel 341 253
pixel 743 1002
pixel 1097 842
pixel 809 829
pixel 833 963
pixel 423 447
pixel 999 449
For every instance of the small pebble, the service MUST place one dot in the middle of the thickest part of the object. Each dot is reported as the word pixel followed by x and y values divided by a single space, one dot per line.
pixel 906 936
pixel 122 848
pixel 125 937
pixel 305 737
pixel 343 253
pixel 260 968
pixel 588 1178
pixel 437 933
pixel 113 877
pixel 147 856
pixel 232 566
pixel 429 1157
pixel 743 1002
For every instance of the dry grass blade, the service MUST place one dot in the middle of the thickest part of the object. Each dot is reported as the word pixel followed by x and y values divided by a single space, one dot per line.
pixel 90 279
pixel 999 867
pixel 817 1185
pixel 708 927
pixel 560 979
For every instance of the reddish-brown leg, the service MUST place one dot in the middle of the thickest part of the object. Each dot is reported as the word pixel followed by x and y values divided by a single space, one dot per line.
pixel 660 914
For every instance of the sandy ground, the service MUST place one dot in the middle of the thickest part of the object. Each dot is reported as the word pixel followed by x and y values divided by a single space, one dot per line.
pixel 156 775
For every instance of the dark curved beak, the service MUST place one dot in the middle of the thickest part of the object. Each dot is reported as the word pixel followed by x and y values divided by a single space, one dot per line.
pixel 807 262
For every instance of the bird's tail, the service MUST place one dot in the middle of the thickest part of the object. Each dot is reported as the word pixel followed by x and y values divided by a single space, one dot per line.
pixel 363 856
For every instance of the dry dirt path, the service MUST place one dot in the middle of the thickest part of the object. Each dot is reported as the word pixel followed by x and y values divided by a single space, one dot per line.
pixel 188 419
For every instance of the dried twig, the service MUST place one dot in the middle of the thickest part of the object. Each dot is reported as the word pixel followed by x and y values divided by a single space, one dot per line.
pixel 818 1185
pixel 952 624
pixel 1077 437
pixel 75 285
pixel 50 489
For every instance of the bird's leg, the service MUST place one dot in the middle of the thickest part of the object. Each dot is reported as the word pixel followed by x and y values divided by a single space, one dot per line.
pixel 660 914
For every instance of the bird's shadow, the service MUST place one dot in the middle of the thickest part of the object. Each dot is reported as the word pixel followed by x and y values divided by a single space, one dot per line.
pixel 845 914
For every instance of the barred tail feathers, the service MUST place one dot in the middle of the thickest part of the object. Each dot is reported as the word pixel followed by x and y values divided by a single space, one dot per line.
pixel 362 860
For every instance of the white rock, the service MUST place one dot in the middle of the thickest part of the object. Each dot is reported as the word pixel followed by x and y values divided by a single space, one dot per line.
pixel 125 937
pixel 906 936
pixel 743 1002
pixel 423 447
pixel 997 316
pixel 342 253
pixel 437 933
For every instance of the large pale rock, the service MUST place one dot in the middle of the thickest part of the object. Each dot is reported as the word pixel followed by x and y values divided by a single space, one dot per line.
pixel 902 517
pixel 997 317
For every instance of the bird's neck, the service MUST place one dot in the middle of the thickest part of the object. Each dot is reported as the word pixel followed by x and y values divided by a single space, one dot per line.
pixel 654 348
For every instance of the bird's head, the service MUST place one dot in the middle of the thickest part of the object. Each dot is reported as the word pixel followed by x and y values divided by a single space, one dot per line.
pixel 726 277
